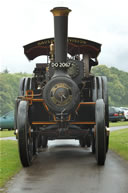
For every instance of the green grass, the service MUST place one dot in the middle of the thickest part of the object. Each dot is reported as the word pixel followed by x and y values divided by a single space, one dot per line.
pixel 119 123
pixel 9 160
pixel 7 133
pixel 119 142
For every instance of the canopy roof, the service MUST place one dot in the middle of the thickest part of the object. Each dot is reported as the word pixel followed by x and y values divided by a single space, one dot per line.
pixel 75 46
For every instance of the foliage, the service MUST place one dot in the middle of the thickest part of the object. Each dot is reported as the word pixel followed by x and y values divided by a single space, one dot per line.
pixel 117 87
pixel 9 85
pixel 9 160
pixel 119 142
pixel 117 84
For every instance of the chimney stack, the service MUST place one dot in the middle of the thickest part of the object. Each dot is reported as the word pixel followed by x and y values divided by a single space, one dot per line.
pixel 60 30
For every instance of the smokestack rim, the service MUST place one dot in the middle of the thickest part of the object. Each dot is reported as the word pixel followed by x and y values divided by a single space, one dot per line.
pixel 61 11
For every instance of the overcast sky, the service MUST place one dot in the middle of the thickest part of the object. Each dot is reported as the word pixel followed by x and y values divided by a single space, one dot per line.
pixel 26 21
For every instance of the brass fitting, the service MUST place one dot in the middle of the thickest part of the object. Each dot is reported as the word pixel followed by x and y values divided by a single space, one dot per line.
pixel 60 11
pixel 52 51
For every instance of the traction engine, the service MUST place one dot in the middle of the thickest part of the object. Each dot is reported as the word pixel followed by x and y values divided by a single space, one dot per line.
pixel 62 100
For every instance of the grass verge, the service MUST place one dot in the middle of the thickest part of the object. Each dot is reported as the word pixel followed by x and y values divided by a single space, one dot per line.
pixel 119 142
pixel 7 133
pixel 9 160
pixel 119 123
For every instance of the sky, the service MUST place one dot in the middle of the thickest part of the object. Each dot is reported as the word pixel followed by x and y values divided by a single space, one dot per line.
pixel 26 21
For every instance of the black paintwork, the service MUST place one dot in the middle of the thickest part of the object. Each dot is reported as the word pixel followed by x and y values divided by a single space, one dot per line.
pixel 75 46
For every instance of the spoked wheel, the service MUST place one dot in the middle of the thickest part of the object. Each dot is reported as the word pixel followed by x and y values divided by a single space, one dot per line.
pixel 100 132
pixel 25 138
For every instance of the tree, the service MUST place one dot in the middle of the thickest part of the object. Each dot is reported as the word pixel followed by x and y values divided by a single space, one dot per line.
pixel 117 84
pixel 6 71
pixel 9 86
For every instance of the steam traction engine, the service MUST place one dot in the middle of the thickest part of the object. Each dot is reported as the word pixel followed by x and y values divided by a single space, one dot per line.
pixel 63 100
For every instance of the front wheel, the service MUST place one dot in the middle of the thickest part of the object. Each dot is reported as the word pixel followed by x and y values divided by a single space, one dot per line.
pixel 25 138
